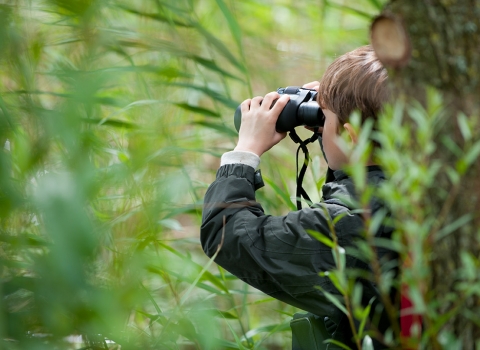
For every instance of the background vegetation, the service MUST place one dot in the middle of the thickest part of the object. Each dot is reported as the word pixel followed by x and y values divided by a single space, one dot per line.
pixel 112 117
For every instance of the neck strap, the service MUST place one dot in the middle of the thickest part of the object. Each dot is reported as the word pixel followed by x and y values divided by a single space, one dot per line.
pixel 300 192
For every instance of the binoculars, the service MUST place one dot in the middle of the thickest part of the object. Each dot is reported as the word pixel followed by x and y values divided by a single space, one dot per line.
pixel 302 109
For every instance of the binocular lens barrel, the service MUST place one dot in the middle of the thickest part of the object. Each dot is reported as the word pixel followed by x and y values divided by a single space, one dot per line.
pixel 310 114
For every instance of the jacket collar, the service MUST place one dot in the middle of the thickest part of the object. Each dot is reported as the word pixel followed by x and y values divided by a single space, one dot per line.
pixel 339 185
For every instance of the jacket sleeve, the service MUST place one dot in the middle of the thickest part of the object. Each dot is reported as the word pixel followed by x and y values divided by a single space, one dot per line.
pixel 274 254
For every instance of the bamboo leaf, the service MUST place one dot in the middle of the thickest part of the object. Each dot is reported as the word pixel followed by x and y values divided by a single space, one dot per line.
pixel 464 127
pixel 472 154
pixel 237 340
pixel 155 16
pixel 377 4
pixel 321 238
pixel 166 71
pixel 225 314
pixel 110 122
pixel 355 11
pixel 209 92
pixel 221 48
pixel 232 23
pixel 337 343
pixel 274 328
pixel 364 318
pixel 367 343
pixel 219 127
pixel 461 221
pixel 199 110
pixel 202 271
pixel 24 240
pixel 335 300
pixel 283 194
pixel 210 64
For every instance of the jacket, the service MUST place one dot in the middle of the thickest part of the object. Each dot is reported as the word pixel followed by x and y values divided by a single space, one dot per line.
pixel 275 254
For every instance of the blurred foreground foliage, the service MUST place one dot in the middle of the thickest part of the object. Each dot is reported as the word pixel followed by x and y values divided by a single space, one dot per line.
pixel 112 117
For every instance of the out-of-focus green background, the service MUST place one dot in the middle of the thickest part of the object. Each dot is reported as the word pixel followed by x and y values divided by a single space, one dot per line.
pixel 113 115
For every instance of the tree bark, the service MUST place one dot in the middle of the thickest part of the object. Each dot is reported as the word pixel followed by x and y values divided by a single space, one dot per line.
pixel 445 54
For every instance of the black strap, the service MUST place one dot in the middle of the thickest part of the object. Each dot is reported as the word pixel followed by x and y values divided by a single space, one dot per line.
pixel 299 176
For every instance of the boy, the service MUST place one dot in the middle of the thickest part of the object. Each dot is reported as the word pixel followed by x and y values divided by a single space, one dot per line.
pixel 276 254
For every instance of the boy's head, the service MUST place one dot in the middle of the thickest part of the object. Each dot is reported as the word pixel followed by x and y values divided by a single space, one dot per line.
pixel 354 81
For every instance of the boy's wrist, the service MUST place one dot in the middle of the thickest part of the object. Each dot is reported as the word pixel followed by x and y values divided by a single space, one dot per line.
pixel 245 148
pixel 240 157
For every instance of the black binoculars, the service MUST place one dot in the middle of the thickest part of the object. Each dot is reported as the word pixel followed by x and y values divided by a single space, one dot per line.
pixel 302 109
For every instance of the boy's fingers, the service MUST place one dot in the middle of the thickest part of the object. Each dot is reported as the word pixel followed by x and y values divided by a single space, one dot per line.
pixel 312 85
pixel 269 99
pixel 245 106
pixel 256 101
pixel 280 104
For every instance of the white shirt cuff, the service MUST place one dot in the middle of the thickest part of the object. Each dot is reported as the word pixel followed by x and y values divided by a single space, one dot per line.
pixel 242 157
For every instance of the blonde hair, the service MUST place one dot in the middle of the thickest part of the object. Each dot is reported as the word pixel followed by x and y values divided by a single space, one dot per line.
pixel 354 81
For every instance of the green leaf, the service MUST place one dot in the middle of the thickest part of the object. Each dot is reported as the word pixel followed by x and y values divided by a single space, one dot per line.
pixel 163 71
pixel 218 127
pixel 232 23
pixel 461 221
pixel 282 327
pixel 367 343
pixel 364 317
pixel 334 300
pixel 186 279
pixel 237 340
pixel 225 314
pixel 210 64
pixel 472 154
pixel 338 279
pixel 464 127
pixel 337 343
pixel 469 265
pixel 283 194
pixel 340 258
pixel 199 110
pixel 377 221
pixel 452 146
pixel 202 270
pixel 110 122
pixel 221 48
pixel 24 240
pixel 156 16
pixel 154 318
pixel 388 243
pixel 355 11
pixel 339 217
pixel 210 93
pixel 321 238
pixel 225 344
pixel 377 4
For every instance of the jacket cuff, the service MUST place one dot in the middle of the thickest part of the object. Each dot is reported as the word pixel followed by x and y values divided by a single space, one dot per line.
pixel 240 157
pixel 242 171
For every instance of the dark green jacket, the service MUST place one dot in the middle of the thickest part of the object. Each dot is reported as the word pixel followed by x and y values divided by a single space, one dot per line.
pixel 275 254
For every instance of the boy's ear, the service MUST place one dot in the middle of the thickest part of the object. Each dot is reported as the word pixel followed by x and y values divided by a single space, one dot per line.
pixel 351 132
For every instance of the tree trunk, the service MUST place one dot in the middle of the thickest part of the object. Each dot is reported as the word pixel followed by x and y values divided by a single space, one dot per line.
pixel 444 52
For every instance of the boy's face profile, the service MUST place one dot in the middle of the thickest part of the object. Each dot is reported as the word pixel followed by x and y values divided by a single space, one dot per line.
pixel 336 158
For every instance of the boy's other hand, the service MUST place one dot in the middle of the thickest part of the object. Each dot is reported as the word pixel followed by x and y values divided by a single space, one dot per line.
pixel 257 132
pixel 312 85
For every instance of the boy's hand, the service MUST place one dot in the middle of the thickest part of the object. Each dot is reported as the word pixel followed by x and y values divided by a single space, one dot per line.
pixel 257 132
pixel 312 85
